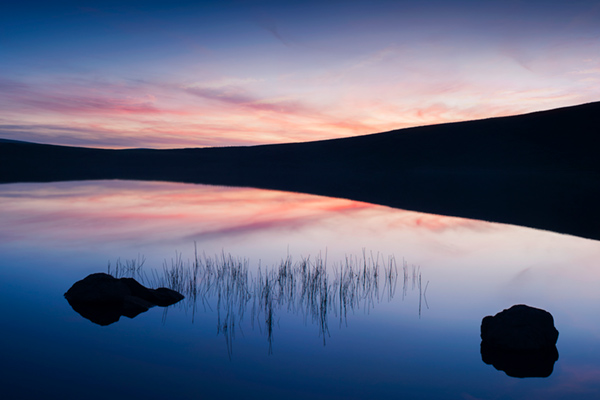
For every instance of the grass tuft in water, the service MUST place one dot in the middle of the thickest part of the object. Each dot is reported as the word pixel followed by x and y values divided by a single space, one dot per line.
pixel 305 287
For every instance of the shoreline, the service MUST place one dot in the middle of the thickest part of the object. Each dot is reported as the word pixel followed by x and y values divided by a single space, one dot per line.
pixel 539 170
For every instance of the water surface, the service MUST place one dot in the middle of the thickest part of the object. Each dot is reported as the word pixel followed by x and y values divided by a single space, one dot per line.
pixel 405 342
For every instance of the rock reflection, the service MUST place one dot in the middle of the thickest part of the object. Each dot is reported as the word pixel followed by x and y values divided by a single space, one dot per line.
pixel 306 287
pixel 521 363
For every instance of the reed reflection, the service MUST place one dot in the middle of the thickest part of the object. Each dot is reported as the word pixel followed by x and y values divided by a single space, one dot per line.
pixel 307 288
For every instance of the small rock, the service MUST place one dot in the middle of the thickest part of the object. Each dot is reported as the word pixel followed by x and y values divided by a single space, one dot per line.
pixel 103 299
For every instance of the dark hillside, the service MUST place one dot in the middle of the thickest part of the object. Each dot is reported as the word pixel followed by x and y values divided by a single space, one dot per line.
pixel 540 170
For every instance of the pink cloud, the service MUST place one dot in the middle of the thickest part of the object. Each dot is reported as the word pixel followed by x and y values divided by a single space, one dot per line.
pixel 18 95
pixel 239 97
pixel 395 86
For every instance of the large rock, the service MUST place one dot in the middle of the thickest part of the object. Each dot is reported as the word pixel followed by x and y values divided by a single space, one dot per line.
pixel 521 341
pixel 103 299
pixel 519 328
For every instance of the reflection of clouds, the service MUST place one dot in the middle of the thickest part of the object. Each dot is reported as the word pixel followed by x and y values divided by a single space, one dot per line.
pixel 439 223
pixel 80 211
pixel 153 215
pixel 279 224
pixel 117 211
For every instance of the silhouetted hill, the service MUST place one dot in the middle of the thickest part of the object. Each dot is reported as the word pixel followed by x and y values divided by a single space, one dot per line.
pixel 540 170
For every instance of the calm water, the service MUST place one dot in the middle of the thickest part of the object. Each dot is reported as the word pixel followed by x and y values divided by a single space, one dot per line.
pixel 389 338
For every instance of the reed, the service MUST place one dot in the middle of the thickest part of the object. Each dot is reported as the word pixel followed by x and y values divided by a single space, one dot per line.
pixel 307 287
pixel 131 268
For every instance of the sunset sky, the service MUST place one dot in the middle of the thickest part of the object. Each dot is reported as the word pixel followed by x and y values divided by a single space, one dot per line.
pixel 188 74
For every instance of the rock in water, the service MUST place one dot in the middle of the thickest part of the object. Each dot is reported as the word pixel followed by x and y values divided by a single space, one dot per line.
pixel 520 341
pixel 103 299
pixel 519 328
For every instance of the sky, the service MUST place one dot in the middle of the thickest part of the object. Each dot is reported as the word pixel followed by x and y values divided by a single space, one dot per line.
pixel 158 74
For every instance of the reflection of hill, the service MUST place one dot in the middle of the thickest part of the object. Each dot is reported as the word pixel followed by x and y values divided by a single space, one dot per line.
pixel 307 288
pixel 539 170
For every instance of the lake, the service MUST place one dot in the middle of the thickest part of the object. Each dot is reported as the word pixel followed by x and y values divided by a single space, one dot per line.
pixel 395 310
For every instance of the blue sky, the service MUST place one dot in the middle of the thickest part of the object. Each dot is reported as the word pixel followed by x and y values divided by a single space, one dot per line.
pixel 179 74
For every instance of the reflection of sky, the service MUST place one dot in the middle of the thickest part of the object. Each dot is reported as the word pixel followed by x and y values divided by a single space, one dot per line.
pixel 125 211
pixel 180 73
pixel 124 219
pixel 54 234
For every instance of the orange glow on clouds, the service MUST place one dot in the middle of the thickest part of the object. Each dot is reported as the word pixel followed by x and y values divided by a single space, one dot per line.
pixel 156 116
pixel 277 82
